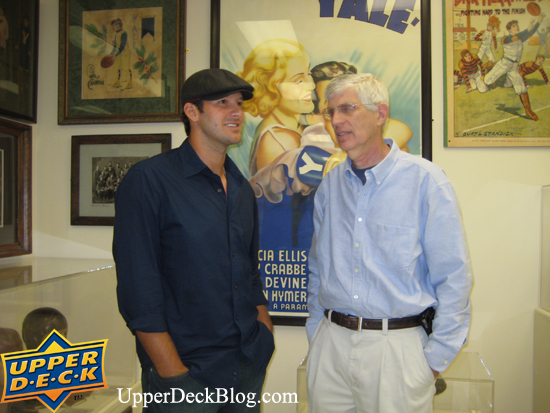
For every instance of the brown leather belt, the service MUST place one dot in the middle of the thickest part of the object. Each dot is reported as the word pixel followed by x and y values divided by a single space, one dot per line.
pixel 359 323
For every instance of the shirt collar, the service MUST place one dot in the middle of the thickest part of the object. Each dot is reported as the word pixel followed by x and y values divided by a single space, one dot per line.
pixel 192 164
pixel 381 170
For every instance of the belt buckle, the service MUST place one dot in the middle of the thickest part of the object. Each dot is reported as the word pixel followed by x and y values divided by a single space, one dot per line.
pixel 359 324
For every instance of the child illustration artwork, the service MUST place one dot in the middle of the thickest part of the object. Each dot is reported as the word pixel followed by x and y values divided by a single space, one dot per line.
pixel 123 49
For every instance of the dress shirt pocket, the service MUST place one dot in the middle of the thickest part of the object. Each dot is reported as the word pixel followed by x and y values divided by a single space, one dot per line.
pixel 393 245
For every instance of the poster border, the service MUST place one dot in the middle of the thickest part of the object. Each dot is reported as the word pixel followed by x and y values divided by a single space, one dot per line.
pixel 451 139
pixel 33 89
pixel 21 181
pixel 426 96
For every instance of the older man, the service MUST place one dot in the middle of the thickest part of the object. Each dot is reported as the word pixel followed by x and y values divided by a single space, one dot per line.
pixel 389 249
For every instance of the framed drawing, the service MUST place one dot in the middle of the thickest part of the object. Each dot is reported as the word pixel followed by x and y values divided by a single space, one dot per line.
pixel 19 59
pixel 15 189
pixel 496 73
pixel 272 43
pixel 98 164
pixel 120 61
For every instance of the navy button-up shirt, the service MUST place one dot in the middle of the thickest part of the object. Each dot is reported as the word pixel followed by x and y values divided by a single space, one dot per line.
pixel 187 263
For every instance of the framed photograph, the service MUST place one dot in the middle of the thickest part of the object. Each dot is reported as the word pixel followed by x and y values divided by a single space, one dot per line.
pixel 15 188
pixel 19 59
pixel 98 164
pixel 120 61
pixel 496 73
pixel 290 51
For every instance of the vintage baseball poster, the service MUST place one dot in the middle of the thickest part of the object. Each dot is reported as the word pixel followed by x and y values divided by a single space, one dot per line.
pixel 290 50
pixel 496 70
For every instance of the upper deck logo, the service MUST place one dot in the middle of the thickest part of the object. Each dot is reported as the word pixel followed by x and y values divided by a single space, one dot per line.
pixel 53 371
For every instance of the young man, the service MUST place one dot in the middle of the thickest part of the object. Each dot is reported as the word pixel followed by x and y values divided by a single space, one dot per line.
pixel 121 49
pixel 472 71
pixel 528 68
pixel 389 245
pixel 186 250
pixel 486 37
pixel 512 46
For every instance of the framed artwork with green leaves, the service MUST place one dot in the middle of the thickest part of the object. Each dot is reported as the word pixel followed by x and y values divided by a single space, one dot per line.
pixel 120 61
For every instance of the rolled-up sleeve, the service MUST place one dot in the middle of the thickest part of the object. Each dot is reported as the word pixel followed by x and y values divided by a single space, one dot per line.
pixel 256 277
pixel 136 250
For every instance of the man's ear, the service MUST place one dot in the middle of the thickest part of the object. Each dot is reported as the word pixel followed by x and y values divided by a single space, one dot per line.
pixel 191 111
pixel 383 113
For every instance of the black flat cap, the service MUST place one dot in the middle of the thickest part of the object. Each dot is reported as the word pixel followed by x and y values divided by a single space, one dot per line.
pixel 212 84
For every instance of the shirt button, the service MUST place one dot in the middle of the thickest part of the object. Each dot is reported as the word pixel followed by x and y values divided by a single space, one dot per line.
pixel 236 286
pixel 219 190
pixel 357 270
pixel 234 373
pixel 378 182
pixel 356 245
pixel 446 361
pixel 360 219
pixel 356 296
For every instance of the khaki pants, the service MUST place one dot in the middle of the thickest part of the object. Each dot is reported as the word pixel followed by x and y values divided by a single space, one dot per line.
pixel 368 371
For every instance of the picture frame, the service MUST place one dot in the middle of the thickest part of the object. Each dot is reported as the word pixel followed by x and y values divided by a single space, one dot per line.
pixel 98 163
pixel 329 32
pixel 15 191
pixel 19 59
pixel 121 62
pixel 486 94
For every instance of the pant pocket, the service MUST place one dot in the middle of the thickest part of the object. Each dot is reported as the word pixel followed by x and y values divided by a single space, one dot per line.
pixel 161 384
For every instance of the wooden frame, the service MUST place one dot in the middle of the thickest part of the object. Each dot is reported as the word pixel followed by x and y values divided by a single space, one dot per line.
pixel 19 59
pixel 16 195
pixel 96 165
pixel 395 46
pixel 121 63
pixel 479 114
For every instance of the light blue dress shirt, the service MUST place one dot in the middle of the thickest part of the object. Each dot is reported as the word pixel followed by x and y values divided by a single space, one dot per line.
pixel 392 248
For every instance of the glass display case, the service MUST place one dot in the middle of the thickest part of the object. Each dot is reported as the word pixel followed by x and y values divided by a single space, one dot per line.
pixel 541 369
pixel 301 383
pixel 545 276
pixel 469 386
pixel 84 306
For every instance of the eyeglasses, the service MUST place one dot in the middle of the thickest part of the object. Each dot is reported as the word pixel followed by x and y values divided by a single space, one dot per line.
pixel 344 108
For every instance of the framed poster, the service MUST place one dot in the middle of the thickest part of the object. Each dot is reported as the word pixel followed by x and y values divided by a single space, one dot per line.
pixel 98 164
pixel 15 188
pixel 120 61
pixel 496 73
pixel 19 59
pixel 307 43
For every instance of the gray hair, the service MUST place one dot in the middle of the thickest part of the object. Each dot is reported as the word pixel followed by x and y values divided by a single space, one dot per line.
pixel 367 87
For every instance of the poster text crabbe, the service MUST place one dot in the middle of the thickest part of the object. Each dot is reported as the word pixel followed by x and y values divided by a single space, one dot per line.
pixel 285 282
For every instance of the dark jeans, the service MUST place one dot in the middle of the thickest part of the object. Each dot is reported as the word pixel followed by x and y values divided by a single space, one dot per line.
pixel 183 393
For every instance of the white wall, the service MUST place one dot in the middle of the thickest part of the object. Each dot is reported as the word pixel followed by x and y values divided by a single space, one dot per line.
pixel 499 190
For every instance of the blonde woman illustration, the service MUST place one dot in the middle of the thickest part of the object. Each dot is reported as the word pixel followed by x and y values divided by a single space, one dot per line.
pixel 286 159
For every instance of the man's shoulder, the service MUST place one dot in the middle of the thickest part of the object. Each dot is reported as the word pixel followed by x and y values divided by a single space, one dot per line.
pixel 151 169
pixel 421 166
pixel 156 161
